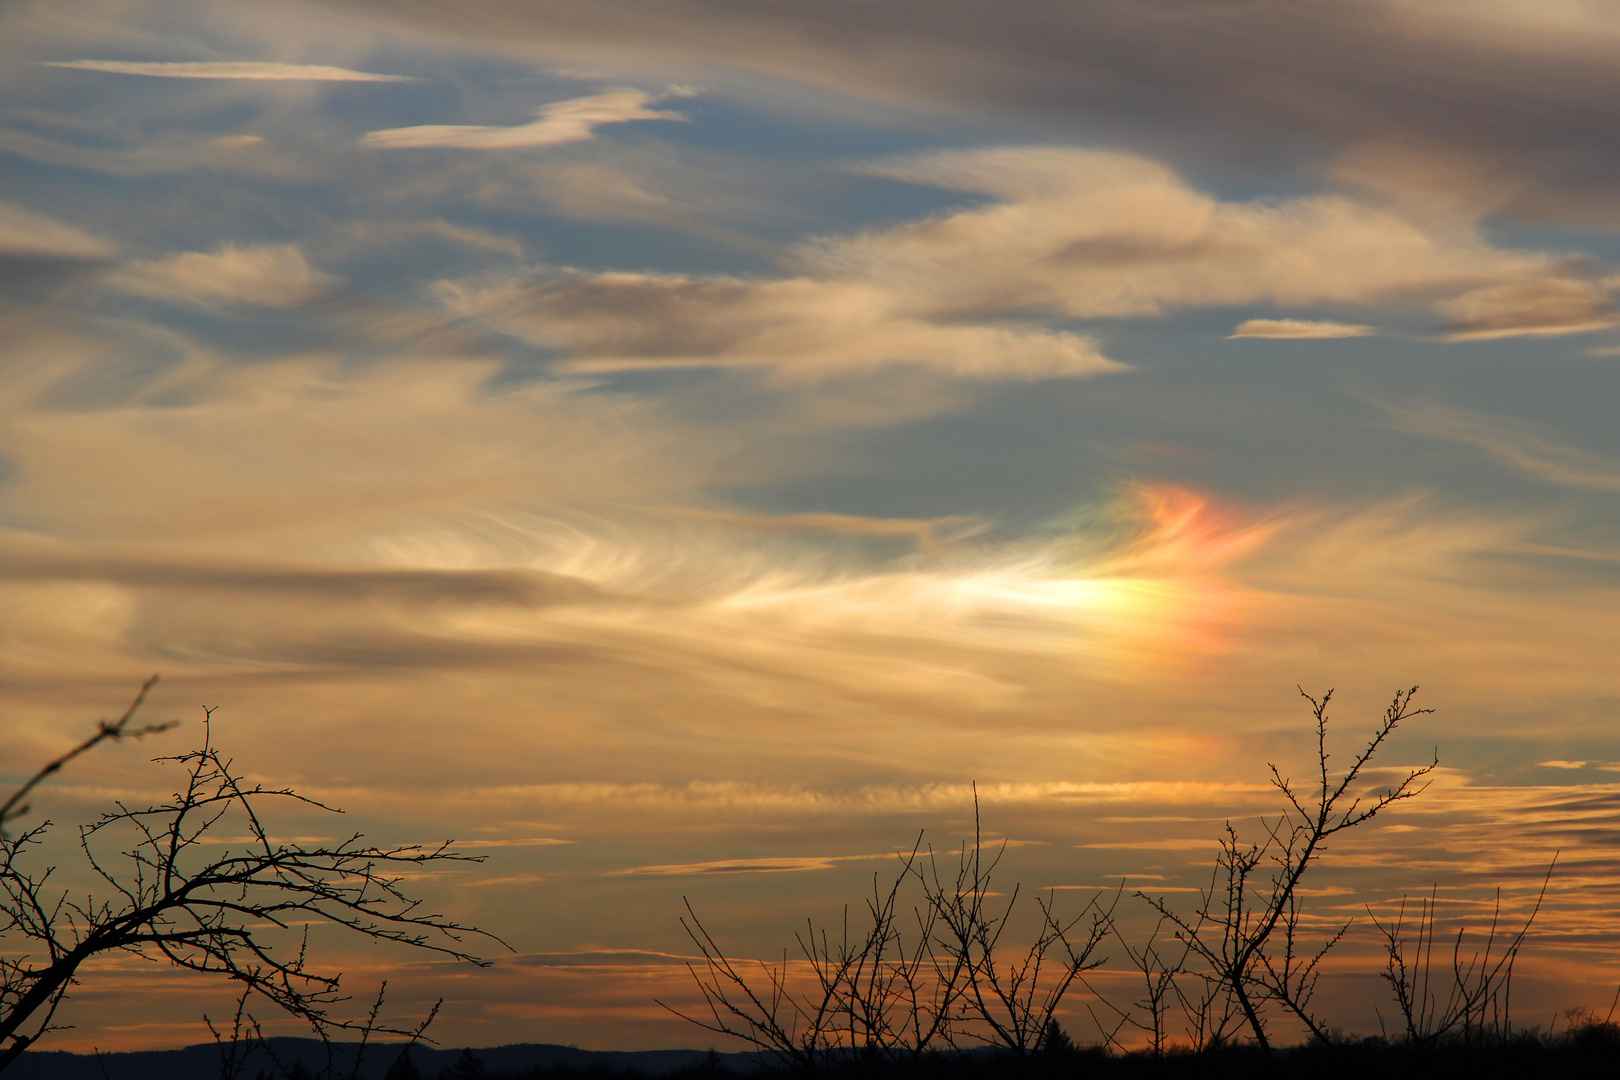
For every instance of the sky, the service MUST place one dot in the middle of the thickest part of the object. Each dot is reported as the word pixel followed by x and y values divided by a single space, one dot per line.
pixel 679 448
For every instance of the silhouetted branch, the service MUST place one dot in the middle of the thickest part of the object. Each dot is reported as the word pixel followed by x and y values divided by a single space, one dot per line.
pixel 1476 1005
pixel 890 995
pixel 1235 931
pixel 873 993
pixel 173 893
pixel 14 807
pixel 1008 1003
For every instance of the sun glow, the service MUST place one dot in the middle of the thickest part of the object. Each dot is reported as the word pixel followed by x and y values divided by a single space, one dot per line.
pixel 1144 578
pixel 1158 581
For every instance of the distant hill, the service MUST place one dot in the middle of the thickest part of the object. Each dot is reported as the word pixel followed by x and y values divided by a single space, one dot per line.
pixel 202 1062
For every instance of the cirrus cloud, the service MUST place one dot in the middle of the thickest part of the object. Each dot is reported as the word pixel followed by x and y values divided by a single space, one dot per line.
pixel 266 275
pixel 574 120
pixel 261 70
pixel 25 234
pixel 1297 329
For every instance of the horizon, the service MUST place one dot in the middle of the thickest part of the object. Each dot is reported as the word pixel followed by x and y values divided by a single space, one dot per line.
pixel 676 454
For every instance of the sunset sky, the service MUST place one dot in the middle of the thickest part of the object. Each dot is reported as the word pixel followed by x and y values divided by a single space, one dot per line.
pixel 678 447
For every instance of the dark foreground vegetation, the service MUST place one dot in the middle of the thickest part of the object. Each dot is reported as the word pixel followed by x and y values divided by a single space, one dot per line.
pixel 1588 1048
pixel 283 1058
pixel 945 974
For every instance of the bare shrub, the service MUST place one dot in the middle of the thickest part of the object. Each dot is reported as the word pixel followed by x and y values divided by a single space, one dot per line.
pixel 899 988
pixel 1244 940
pixel 1470 998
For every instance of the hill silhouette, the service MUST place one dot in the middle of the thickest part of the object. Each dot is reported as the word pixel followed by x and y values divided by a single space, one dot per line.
pixel 202 1061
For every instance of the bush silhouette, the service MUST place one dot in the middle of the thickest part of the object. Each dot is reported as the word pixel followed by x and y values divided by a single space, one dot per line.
pixel 945 981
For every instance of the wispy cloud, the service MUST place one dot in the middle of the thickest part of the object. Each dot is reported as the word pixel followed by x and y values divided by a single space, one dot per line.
pixel 27 234
pixel 737 866
pixel 764 865
pixel 925 533
pixel 1524 446
pixel 1535 308
pixel 1298 329
pixel 267 275
pixel 1103 234
pixel 404 587
pixel 1071 234
pixel 1452 78
pixel 230 69
pixel 574 120
pixel 805 328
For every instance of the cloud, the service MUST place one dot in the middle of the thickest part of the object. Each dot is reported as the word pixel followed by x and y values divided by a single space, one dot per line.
pixel 1071 234
pixel 574 120
pixel 1541 308
pixel 41 258
pixel 405 587
pixel 765 865
pixel 801 327
pixel 267 275
pixel 924 533
pixel 1521 445
pixel 419 435
pixel 1096 234
pixel 1518 100
pixel 1298 329
pixel 25 234
pixel 362 234
pixel 127 153
pixel 230 69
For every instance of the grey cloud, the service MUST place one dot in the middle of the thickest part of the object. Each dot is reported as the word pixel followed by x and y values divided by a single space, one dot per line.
pixel 802 326
pixel 531 588
pixel 40 255
pixel 1518 92
pixel 375 648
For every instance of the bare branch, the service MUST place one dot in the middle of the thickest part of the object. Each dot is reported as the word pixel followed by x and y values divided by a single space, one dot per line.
pixel 176 895
pixel 14 807
pixel 1246 931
